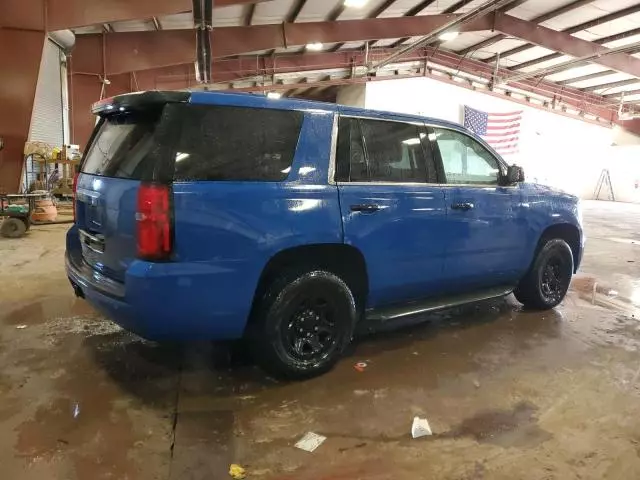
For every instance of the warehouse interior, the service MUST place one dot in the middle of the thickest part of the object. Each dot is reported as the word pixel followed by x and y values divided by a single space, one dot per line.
pixel 508 393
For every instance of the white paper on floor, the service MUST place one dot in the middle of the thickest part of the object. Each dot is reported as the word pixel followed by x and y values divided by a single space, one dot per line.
pixel 310 441
pixel 420 427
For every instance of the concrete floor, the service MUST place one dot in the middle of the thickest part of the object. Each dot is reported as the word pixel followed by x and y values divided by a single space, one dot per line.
pixel 509 394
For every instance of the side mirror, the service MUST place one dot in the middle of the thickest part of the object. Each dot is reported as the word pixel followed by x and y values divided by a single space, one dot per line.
pixel 515 174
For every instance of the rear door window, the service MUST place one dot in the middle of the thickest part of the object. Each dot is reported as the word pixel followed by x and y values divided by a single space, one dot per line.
pixel 124 146
pixel 235 143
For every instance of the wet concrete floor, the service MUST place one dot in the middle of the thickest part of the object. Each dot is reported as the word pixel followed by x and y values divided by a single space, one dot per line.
pixel 509 394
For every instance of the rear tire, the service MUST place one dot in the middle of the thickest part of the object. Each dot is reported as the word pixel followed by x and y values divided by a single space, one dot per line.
pixel 13 227
pixel 302 324
pixel 547 281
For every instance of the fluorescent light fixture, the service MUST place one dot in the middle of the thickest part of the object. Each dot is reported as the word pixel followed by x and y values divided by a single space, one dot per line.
pixel 181 156
pixel 274 95
pixel 314 46
pixel 355 3
pixel 411 141
pixel 448 36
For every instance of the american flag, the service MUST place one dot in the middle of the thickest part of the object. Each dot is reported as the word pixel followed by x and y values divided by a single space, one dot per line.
pixel 500 130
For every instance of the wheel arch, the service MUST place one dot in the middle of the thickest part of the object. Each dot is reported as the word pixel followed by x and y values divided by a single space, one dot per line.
pixel 344 260
pixel 569 233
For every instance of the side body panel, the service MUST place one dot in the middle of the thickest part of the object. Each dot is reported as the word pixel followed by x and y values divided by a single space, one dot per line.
pixel 226 232
pixel 487 244
pixel 544 207
pixel 402 242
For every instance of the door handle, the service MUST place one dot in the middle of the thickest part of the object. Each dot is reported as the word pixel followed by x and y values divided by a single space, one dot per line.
pixel 462 206
pixel 365 208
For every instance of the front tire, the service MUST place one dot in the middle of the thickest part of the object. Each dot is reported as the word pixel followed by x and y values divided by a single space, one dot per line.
pixel 13 227
pixel 547 281
pixel 302 324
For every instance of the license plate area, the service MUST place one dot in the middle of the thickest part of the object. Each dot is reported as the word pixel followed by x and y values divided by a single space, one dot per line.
pixel 92 248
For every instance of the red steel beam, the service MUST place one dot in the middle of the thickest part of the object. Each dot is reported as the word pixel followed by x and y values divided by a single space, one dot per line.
pixel 132 51
pixel 228 70
pixel 539 19
pixel 565 43
pixel 600 41
pixel 63 14
pixel 606 116
pixel 575 29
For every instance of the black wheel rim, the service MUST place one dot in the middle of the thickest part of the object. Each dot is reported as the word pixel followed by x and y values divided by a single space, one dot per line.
pixel 554 279
pixel 311 331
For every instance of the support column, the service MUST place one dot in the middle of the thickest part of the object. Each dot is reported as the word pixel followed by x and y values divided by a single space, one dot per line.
pixel 20 56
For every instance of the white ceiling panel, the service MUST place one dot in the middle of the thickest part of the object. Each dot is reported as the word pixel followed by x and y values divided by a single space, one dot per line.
pixel 501 46
pixel 610 28
pixel 317 10
pixel 598 8
pixel 437 7
pixel 355 13
pixel 90 29
pixel 623 42
pixel 132 26
pixel 176 22
pixel 546 64
pixel 386 42
pixel 633 86
pixel 577 72
pixel 614 77
pixel 468 7
pixel 232 16
pixel 532 9
pixel 467 39
pixel 628 99
pixel 352 45
pixel 530 54
pixel 398 8
pixel 274 11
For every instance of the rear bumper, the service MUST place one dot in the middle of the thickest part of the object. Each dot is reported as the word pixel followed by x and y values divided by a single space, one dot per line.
pixel 85 278
pixel 173 301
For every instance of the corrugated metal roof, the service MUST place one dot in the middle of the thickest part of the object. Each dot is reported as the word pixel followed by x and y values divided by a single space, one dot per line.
pixel 278 11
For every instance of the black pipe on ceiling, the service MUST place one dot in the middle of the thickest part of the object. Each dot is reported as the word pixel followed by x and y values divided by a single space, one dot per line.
pixel 203 23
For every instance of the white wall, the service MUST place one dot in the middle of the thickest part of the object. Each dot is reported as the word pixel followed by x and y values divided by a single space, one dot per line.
pixel 623 137
pixel 554 149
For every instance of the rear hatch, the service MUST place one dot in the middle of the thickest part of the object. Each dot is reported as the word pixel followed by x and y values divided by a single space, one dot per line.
pixel 131 144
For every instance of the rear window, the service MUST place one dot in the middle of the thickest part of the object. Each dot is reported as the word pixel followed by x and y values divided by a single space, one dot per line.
pixel 235 143
pixel 124 146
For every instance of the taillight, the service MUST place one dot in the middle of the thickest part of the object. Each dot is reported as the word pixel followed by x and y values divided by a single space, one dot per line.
pixel 75 187
pixel 153 218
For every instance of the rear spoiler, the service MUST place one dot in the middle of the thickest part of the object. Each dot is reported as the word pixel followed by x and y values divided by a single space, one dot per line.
pixel 137 101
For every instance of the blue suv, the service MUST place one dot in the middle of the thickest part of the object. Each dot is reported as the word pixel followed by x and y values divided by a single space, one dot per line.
pixel 203 215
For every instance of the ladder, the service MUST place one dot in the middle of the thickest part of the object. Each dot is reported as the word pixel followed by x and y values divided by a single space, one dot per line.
pixel 605 178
